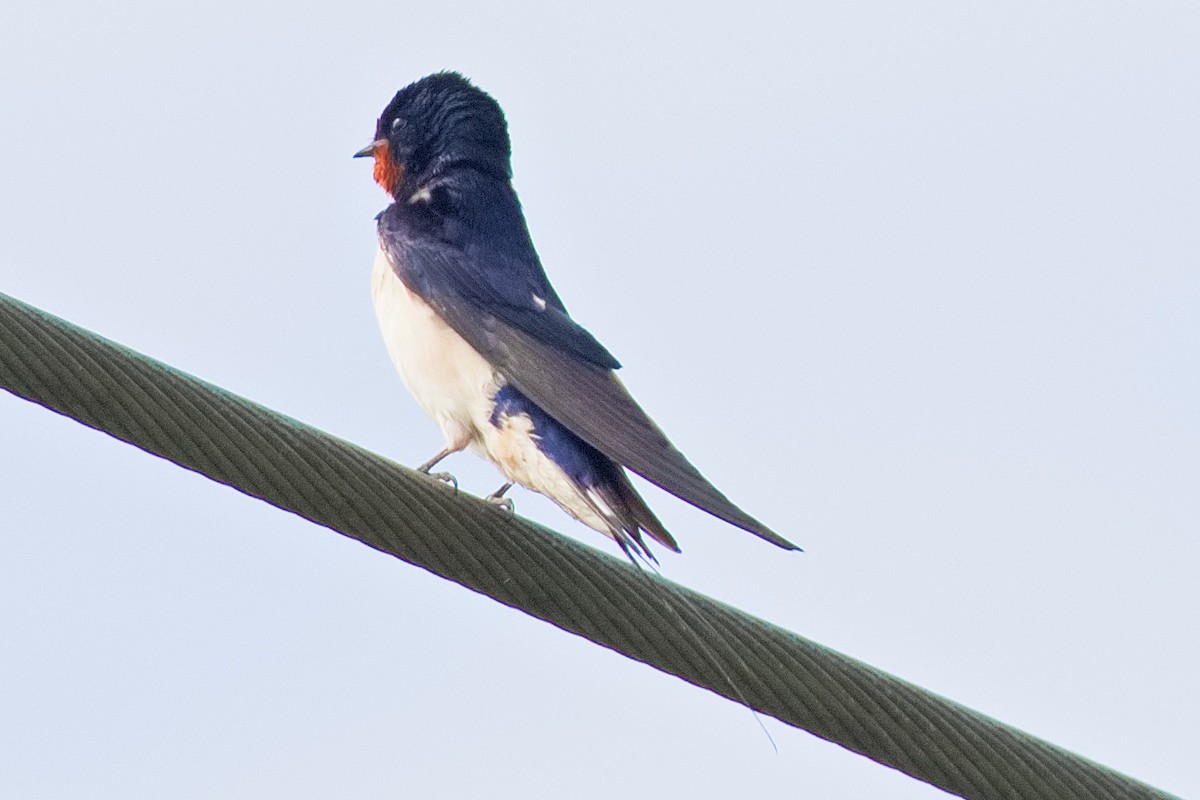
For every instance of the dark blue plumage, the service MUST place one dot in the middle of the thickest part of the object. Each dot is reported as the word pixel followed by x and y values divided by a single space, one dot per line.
pixel 583 463
pixel 469 244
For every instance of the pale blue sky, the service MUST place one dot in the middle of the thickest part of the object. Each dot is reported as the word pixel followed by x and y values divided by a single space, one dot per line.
pixel 919 287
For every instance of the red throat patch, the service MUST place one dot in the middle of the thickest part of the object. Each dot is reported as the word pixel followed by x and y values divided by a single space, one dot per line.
pixel 388 173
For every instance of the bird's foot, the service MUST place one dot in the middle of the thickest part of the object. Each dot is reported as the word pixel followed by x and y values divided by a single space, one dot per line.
pixel 498 499
pixel 502 503
pixel 444 477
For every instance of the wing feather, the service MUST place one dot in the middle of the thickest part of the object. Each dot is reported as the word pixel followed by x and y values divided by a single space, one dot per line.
pixel 487 295
pixel 593 403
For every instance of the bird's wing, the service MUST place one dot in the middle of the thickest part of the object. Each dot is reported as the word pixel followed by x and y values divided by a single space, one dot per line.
pixel 500 276
pixel 551 360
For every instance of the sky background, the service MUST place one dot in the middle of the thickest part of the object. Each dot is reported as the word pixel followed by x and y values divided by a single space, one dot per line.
pixel 917 286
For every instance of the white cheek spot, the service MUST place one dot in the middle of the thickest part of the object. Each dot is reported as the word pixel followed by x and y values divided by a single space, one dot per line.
pixel 422 195
pixel 539 302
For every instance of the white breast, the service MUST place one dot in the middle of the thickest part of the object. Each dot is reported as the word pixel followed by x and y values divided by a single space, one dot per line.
pixel 448 378
pixel 457 387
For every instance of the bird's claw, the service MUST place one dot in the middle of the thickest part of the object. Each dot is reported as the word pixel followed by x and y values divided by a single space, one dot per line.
pixel 498 499
pixel 444 477
pixel 502 503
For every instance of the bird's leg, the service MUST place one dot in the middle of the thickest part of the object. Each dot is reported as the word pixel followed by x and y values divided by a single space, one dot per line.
pixel 498 499
pixel 433 462
pixel 445 477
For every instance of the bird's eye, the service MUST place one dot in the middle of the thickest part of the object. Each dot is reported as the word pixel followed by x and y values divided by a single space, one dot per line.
pixel 398 124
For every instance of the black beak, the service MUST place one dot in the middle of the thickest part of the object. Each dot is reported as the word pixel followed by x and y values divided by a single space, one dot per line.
pixel 369 150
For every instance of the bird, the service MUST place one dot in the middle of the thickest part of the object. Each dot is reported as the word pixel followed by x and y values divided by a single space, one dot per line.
pixel 484 343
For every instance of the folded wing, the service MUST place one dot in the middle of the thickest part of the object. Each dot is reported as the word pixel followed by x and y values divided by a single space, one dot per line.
pixel 551 359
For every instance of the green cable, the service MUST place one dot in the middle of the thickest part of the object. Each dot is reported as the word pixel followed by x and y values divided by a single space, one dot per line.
pixel 599 597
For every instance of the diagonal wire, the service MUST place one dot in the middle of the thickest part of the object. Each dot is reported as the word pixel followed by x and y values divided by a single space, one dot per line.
pixel 647 618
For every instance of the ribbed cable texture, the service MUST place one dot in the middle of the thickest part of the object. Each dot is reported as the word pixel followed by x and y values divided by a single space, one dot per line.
pixel 393 509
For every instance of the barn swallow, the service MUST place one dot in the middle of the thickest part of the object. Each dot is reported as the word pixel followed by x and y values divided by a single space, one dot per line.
pixel 484 343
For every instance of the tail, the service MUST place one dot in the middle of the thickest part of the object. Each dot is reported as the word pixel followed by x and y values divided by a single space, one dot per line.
pixel 640 513
pixel 615 500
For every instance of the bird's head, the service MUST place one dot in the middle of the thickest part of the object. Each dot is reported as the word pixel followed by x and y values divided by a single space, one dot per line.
pixel 438 122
